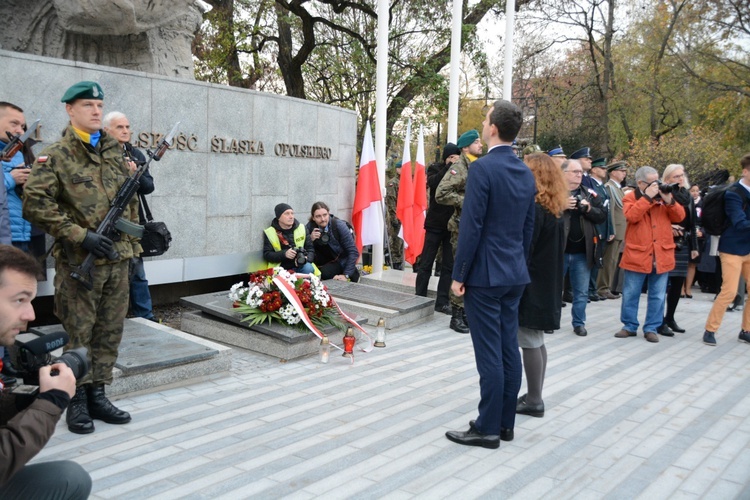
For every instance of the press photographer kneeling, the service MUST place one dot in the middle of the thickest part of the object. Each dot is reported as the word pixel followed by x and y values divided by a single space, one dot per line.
pixel 26 426
pixel 335 251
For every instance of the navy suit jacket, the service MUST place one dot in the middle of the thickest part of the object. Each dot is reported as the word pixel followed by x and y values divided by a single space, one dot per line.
pixel 497 222
pixel 736 239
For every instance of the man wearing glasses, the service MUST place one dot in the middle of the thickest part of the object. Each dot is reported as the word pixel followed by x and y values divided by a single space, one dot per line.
pixel 584 211
pixel 650 212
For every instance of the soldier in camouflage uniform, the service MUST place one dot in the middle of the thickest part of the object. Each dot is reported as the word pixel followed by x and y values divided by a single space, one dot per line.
pixel 451 191
pixel 68 193
pixel 391 199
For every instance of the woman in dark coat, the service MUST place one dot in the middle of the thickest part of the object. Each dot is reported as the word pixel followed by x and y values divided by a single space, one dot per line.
pixel 686 245
pixel 539 311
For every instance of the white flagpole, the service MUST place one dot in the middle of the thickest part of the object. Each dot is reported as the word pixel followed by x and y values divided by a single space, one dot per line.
pixel 452 135
pixel 381 107
pixel 510 13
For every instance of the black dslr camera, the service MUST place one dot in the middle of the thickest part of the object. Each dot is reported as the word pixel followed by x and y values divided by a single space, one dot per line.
pixel 35 354
pixel 325 237
pixel 579 199
pixel 666 188
pixel 301 258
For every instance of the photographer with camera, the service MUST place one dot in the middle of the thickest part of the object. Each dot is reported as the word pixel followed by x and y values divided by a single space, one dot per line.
pixel 686 244
pixel 650 211
pixel 335 251
pixel 24 433
pixel 584 211
pixel 286 243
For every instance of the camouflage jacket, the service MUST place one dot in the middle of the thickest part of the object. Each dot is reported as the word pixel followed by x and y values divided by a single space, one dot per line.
pixel 70 189
pixel 452 189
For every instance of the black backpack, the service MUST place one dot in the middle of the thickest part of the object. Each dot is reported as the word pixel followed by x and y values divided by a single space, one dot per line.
pixel 713 216
pixel 334 226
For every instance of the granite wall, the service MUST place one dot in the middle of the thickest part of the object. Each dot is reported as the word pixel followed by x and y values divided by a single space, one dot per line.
pixel 217 187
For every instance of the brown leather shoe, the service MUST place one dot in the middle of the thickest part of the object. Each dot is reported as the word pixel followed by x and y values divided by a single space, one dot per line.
pixel 611 296
pixel 651 337
pixel 623 334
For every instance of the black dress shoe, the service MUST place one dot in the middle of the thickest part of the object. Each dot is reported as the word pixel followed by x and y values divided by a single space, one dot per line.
pixel 580 331
pixel 665 330
pixel 567 297
pixel 524 408
pixel 674 326
pixel 8 380
pixel 473 437
pixel 594 298
pixel 102 408
pixel 77 416
pixel 505 434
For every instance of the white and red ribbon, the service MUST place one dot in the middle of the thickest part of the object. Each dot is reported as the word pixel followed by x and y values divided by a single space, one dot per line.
pixel 294 299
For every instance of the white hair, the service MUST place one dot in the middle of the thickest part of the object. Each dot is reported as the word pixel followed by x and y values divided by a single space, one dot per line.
pixel 112 115
pixel 670 170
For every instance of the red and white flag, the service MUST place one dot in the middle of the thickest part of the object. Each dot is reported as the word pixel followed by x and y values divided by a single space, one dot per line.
pixel 420 198
pixel 405 203
pixel 367 214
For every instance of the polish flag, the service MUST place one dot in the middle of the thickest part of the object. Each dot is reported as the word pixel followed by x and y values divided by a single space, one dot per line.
pixel 420 198
pixel 405 203
pixel 367 214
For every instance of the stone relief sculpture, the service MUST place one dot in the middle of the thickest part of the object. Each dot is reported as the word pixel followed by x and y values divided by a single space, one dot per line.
pixel 143 35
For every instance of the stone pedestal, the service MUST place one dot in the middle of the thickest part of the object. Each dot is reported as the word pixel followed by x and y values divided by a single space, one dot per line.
pixel 153 355
pixel 215 319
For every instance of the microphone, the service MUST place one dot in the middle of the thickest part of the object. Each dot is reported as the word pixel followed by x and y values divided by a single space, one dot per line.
pixel 46 343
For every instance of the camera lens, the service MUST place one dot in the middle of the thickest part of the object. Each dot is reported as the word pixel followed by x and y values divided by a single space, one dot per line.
pixel 77 361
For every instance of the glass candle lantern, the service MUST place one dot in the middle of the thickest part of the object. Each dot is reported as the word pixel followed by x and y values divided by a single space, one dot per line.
pixel 380 333
pixel 325 349
pixel 349 340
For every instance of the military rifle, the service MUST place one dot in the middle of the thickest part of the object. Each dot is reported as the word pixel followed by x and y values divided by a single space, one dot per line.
pixel 113 222
pixel 16 143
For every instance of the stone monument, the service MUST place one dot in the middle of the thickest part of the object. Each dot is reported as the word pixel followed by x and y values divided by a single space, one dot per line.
pixel 153 36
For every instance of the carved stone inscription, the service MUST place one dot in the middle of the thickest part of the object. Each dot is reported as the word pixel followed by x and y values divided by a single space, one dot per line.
pixel 184 142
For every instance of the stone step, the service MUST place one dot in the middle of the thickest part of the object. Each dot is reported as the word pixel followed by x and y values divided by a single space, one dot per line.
pixel 373 302
pixel 152 355
pixel 399 281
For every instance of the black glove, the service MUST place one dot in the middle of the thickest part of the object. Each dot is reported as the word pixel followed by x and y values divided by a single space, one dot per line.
pixel 97 244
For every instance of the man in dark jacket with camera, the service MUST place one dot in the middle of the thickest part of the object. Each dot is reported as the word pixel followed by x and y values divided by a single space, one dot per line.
pixel 24 433
pixel 286 242
pixel 437 234
pixel 584 211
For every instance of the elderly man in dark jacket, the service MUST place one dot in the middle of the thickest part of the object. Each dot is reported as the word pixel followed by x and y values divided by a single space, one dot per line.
pixel 437 234
pixel 584 211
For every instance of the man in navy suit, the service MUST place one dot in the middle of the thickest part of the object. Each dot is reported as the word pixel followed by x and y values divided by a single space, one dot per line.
pixel 734 252
pixel 490 271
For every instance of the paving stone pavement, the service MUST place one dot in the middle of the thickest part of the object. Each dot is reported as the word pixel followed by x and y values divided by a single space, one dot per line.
pixel 624 419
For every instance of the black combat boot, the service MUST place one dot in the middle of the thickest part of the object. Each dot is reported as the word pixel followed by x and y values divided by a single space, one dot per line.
pixel 463 317
pixel 78 418
pixel 457 321
pixel 102 409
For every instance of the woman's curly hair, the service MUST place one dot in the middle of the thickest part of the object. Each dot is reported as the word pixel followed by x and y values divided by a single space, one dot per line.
pixel 551 187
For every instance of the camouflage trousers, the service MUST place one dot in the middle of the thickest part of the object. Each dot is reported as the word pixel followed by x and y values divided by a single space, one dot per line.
pixel 455 300
pixel 397 246
pixel 94 319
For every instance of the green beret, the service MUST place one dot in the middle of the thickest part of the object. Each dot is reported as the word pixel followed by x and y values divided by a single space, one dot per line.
pixel 83 90
pixel 398 165
pixel 599 162
pixel 618 165
pixel 467 138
